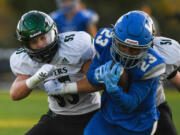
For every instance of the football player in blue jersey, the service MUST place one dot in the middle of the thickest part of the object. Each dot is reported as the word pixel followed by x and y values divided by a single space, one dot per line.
pixel 161 46
pixel 71 17
pixel 126 47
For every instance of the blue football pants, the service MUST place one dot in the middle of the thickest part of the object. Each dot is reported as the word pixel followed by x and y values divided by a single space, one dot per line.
pixel 99 126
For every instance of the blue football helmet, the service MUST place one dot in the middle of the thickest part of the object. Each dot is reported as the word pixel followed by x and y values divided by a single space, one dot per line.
pixel 134 30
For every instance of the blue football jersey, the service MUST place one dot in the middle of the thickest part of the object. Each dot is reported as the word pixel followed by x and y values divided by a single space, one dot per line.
pixel 135 110
pixel 78 23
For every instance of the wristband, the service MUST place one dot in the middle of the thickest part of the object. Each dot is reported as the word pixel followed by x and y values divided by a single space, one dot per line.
pixel 70 88
pixel 32 82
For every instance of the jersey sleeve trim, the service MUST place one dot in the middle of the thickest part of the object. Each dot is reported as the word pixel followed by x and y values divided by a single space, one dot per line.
pixel 155 72
pixel 172 75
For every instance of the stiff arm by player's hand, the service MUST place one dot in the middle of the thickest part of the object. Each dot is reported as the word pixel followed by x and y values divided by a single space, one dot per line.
pixel 40 75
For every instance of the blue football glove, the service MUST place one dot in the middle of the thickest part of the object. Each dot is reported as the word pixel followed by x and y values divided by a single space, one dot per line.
pixel 100 72
pixel 112 77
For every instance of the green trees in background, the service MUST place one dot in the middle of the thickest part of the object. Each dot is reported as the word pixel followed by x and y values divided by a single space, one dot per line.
pixel 164 11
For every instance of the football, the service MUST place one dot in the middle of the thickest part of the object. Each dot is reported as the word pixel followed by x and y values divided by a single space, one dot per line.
pixel 124 80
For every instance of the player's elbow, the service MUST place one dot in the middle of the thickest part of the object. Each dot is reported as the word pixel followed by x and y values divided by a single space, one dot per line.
pixel 14 96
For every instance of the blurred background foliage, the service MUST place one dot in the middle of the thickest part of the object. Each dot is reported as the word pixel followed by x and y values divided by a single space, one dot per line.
pixel 166 13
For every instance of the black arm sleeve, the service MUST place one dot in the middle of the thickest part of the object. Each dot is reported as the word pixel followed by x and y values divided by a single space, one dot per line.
pixel 173 74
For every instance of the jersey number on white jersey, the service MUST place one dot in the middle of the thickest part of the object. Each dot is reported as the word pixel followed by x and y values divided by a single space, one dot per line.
pixel 69 38
pixel 166 42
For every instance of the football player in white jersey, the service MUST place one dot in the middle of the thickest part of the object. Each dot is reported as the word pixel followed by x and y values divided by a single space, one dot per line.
pixel 169 49
pixel 46 55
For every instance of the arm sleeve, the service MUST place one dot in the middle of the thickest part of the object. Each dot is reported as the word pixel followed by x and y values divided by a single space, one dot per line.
pixel 173 74
pixel 137 93
pixel 90 74
pixel 98 60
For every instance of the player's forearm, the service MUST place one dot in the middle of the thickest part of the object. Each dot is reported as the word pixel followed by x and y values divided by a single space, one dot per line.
pixel 53 87
pixel 92 30
pixel 91 77
pixel 84 86
pixel 136 94
pixel 19 90
pixel 125 101
pixel 176 81
pixel 91 71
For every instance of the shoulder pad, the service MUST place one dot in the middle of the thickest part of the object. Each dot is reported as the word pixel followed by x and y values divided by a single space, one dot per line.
pixel 103 39
pixel 152 66
pixel 77 37
pixel 78 44
pixel 21 63
pixel 155 71
pixel 165 47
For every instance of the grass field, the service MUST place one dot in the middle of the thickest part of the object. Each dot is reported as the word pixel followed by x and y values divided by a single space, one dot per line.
pixel 16 117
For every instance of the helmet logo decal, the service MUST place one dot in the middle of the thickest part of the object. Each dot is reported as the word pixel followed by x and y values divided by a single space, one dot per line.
pixel 149 28
pixel 35 34
pixel 130 41
pixel 47 20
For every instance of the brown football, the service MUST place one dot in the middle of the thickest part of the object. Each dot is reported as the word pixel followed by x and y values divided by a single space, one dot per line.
pixel 124 81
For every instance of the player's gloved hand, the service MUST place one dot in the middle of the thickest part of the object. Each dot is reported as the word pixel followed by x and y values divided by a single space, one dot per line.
pixel 40 75
pixel 54 87
pixel 101 70
pixel 112 77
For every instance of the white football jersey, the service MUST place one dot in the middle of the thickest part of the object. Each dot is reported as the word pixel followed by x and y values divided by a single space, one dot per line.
pixel 74 50
pixel 169 49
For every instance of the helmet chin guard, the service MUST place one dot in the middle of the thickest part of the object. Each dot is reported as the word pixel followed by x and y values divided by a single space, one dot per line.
pixel 46 54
